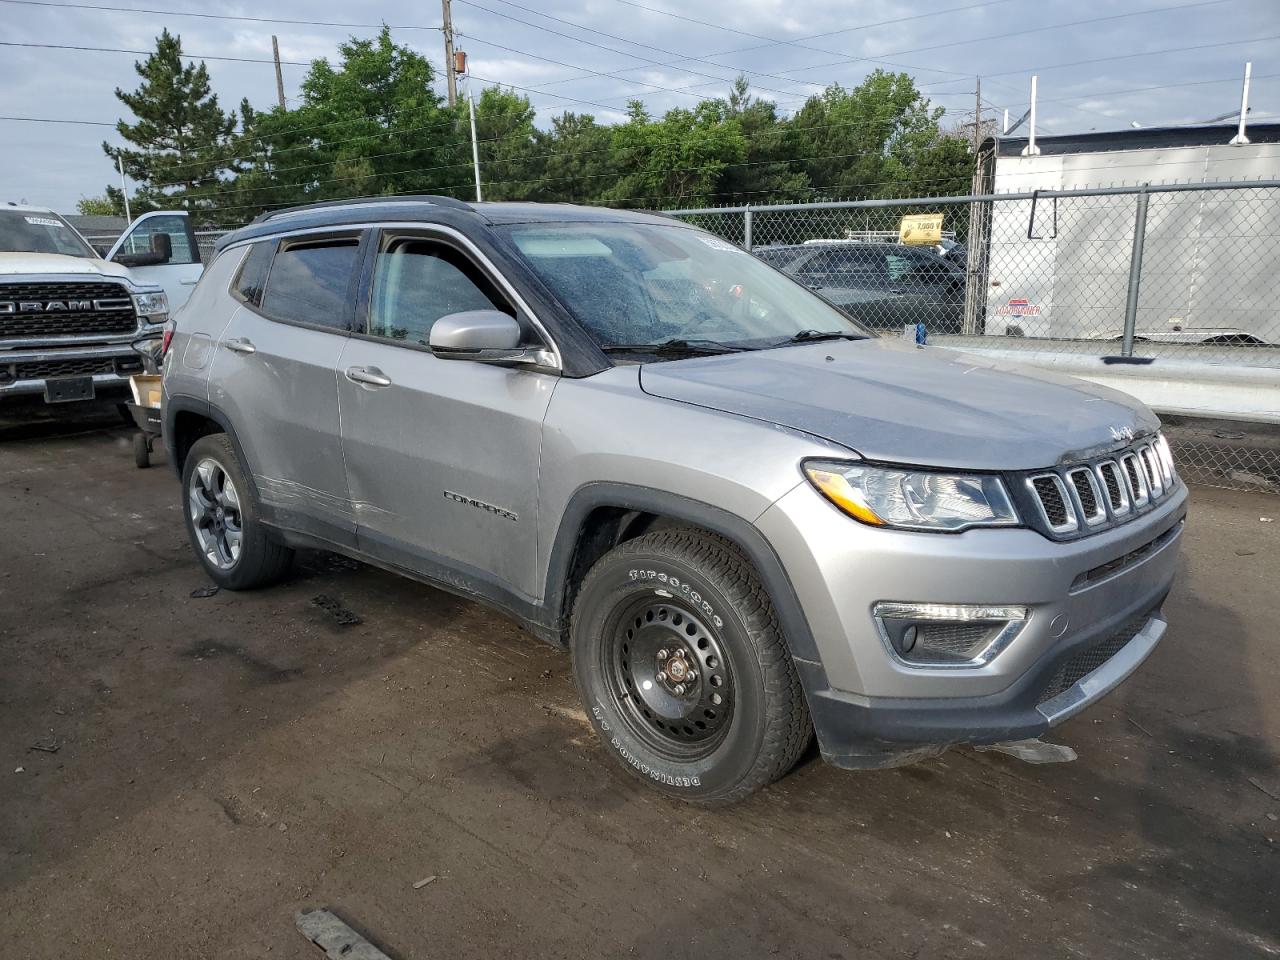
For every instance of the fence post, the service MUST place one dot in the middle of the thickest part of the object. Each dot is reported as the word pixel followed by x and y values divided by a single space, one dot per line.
pixel 1135 270
pixel 746 228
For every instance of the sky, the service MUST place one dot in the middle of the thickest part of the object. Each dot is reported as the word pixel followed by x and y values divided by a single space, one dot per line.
pixel 1102 64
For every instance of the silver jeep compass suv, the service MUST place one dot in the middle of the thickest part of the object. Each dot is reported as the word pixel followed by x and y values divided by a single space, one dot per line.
pixel 746 518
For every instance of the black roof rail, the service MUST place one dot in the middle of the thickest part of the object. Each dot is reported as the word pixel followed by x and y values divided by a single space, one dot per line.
pixel 452 203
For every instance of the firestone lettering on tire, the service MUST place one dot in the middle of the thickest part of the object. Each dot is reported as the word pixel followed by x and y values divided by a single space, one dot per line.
pixel 687 592
pixel 653 773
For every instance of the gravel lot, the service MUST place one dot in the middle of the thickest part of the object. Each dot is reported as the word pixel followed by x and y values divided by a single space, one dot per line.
pixel 220 763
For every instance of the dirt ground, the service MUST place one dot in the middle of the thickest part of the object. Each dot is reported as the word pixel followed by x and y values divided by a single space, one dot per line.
pixel 224 762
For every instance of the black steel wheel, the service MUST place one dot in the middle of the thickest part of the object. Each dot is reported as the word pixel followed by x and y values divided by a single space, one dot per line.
pixel 683 669
pixel 670 678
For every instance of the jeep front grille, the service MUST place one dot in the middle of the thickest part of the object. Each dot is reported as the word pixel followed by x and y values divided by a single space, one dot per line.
pixel 1098 494
pixel 58 309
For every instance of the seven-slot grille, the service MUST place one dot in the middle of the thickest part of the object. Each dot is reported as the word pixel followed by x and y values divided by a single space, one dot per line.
pixel 1085 497
pixel 37 311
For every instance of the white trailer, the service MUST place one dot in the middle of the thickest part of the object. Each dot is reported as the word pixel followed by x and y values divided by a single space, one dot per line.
pixel 1059 268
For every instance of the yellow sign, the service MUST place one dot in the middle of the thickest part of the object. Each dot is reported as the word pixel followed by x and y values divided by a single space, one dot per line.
pixel 921 228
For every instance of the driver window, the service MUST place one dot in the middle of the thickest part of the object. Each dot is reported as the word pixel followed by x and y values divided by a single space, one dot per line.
pixel 139 241
pixel 416 282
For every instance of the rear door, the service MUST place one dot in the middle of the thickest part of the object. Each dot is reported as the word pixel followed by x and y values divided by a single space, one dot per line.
pixel 441 455
pixel 179 275
pixel 274 373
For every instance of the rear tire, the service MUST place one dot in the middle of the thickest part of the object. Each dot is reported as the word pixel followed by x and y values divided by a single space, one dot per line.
pixel 683 669
pixel 223 521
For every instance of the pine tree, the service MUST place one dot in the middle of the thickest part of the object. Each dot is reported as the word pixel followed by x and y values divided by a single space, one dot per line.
pixel 183 135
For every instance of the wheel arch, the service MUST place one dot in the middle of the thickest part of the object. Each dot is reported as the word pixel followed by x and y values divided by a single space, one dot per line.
pixel 186 419
pixel 600 515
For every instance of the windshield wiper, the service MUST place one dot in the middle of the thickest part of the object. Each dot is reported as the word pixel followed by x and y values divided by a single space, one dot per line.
pixel 811 336
pixel 675 347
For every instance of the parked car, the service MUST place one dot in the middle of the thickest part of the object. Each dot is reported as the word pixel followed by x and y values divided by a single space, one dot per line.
pixel 68 317
pixel 745 517
pixel 881 285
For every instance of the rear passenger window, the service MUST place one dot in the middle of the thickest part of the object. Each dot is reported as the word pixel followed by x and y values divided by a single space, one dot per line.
pixel 310 282
pixel 416 282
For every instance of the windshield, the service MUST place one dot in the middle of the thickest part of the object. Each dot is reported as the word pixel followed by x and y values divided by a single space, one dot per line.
pixel 633 284
pixel 26 231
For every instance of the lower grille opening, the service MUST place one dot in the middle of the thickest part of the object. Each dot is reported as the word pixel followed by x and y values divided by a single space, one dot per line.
pixel 1080 665
pixel 64 367
pixel 1102 571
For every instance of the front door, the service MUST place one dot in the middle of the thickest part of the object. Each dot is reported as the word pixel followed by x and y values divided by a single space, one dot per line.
pixel 274 376
pixel 182 271
pixel 441 455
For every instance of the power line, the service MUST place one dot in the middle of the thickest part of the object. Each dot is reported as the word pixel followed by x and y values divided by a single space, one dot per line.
pixel 572 66
pixel 591 43
pixel 217 16
pixel 1128 56
pixel 770 42
pixel 87 123
pixel 146 53
pixel 1018 33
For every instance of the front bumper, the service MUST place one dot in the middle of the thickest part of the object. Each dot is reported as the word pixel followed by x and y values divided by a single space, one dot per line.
pixel 109 365
pixel 1086 631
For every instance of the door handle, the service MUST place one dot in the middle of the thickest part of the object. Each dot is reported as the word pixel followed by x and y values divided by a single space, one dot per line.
pixel 371 376
pixel 240 345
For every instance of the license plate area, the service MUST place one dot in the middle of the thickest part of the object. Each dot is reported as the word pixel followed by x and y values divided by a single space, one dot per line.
pixel 68 389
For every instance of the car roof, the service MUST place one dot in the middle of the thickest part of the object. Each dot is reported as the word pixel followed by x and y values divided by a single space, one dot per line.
pixel 432 209
pixel 28 208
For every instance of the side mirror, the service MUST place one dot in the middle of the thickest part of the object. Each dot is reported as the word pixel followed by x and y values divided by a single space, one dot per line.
pixel 162 246
pixel 486 336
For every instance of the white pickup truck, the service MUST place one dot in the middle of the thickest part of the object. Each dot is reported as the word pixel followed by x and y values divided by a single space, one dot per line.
pixel 69 318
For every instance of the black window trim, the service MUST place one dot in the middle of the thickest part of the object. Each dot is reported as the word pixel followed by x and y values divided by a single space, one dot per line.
pixel 388 235
pixel 318 238
pixel 249 250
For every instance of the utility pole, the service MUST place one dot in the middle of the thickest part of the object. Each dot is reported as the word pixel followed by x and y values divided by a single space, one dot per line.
pixel 124 189
pixel 977 116
pixel 475 144
pixel 275 52
pixel 447 14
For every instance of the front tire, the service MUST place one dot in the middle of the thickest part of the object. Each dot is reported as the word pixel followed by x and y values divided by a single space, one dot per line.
pixel 223 521
pixel 683 669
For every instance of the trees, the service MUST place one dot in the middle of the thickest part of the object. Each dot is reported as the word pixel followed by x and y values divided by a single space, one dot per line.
pixel 675 160
pixel 371 123
pixel 98 207
pixel 879 139
pixel 182 134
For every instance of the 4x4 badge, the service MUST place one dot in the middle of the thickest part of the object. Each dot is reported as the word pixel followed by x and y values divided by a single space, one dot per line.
pixel 1123 433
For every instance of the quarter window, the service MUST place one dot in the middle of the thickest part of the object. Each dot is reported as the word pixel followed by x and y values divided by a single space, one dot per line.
pixel 253 273
pixel 416 282
pixel 310 283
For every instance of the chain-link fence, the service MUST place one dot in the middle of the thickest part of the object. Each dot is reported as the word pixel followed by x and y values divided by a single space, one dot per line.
pixel 1175 281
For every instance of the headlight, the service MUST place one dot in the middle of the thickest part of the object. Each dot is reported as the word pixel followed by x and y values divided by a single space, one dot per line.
pixel 153 306
pixel 912 499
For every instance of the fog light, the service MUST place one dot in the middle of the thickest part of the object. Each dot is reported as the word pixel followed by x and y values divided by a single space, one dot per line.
pixel 947 635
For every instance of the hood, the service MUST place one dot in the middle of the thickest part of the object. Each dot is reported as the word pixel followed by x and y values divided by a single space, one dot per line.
pixel 890 400
pixel 26 263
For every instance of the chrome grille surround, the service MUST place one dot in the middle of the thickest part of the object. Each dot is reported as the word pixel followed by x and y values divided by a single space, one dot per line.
pixel 1076 499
